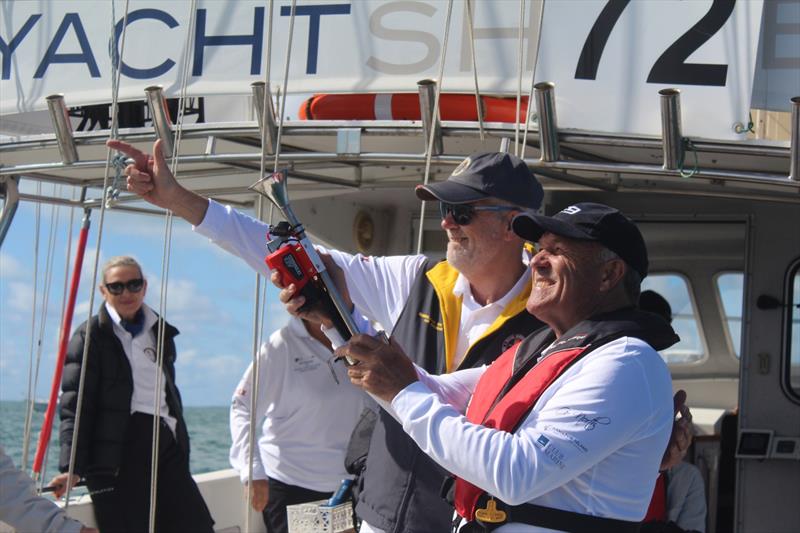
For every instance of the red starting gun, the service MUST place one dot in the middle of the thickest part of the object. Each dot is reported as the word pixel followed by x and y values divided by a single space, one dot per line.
pixel 292 254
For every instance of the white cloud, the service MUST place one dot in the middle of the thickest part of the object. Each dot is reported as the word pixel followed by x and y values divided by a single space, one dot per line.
pixel 20 297
pixel 188 357
pixel 10 267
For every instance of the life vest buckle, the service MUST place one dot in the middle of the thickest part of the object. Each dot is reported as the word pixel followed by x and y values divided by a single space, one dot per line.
pixel 491 514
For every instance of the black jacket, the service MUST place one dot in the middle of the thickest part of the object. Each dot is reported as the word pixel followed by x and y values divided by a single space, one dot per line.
pixel 108 388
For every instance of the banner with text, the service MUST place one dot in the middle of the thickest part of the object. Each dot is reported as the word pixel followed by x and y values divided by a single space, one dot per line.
pixel 607 58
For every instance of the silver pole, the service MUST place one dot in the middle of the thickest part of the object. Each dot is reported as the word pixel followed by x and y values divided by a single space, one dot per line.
pixel 265 114
pixel 427 101
pixel 548 124
pixel 160 115
pixel 672 139
pixel 794 172
pixel 9 191
pixel 63 128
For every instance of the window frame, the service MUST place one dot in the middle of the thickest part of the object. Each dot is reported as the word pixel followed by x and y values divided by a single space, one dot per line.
pixel 698 319
pixel 786 342
pixel 724 318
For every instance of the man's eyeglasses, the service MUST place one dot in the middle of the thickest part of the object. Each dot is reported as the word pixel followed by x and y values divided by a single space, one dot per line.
pixel 464 213
pixel 133 285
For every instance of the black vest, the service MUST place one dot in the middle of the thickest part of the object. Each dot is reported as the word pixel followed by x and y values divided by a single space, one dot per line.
pixel 401 485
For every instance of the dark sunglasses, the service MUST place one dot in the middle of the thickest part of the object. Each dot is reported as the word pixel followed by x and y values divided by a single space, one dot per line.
pixel 133 285
pixel 464 213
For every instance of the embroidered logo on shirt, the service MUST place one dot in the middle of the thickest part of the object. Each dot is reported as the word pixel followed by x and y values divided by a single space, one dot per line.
pixel 542 440
pixel 150 353
pixel 589 423
pixel 428 320
pixel 305 364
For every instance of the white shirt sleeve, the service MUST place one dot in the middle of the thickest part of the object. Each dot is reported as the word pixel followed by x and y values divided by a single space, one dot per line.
pixel 22 509
pixel 237 233
pixel 379 286
pixel 586 415
pixel 240 421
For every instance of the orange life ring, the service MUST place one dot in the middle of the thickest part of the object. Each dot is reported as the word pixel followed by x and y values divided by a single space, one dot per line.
pixel 405 106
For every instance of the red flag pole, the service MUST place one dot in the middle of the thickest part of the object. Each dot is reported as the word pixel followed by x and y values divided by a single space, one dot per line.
pixel 47 425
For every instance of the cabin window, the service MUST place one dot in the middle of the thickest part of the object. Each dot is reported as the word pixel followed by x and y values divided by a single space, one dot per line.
pixel 730 288
pixel 793 334
pixel 675 288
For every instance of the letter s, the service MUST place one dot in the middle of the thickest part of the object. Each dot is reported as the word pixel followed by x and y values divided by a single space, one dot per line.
pixel 382 32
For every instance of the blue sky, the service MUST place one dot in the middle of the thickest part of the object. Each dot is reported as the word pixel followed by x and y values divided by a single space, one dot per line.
pixel 210 297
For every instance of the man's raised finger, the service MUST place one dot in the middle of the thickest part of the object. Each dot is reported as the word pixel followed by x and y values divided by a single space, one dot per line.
pixel 139 157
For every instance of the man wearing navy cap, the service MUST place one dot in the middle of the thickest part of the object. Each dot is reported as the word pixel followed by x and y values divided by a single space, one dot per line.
pixel 459 313
pixel 566 430
pixel 455 314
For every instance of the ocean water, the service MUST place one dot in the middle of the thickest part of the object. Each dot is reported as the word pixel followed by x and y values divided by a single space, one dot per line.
pixel 208 431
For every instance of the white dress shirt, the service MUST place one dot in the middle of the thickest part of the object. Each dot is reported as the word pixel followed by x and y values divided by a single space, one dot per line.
pixel 141 353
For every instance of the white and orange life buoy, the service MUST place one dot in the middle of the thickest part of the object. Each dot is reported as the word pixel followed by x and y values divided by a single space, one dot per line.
pixel 405 106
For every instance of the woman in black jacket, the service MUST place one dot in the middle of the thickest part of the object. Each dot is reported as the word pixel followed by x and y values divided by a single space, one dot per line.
pixel 116 424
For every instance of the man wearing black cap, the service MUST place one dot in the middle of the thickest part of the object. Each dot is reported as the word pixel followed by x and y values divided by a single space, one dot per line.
pixel 459 313
pixel 564 431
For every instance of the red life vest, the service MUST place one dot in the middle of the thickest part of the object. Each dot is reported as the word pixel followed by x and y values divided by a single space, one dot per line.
pixel 657 512
pixel 510 410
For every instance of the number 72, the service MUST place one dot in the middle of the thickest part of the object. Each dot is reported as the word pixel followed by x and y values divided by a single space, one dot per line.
pixel 671 66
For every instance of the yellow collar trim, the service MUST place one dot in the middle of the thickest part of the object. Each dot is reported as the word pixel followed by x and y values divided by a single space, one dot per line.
pixel 443 278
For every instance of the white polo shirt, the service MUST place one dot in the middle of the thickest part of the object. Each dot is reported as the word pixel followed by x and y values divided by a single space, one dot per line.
pixel 141 353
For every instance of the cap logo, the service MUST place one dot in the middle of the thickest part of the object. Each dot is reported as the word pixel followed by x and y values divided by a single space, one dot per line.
pixel 571 210
pixel 464 165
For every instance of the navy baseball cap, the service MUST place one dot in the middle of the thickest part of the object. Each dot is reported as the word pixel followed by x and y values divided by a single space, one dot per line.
pixel 487 175
pixel 589 222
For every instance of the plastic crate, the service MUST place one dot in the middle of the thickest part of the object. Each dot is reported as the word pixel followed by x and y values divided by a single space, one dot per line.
pixel 316 517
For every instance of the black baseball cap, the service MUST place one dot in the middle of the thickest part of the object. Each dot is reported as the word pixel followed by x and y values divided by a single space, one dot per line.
pixel 589 222
pixel 487 175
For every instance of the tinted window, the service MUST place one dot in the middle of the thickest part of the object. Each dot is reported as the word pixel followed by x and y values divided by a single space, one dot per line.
pixel 675 289
pixel 794 331
pixel 730 287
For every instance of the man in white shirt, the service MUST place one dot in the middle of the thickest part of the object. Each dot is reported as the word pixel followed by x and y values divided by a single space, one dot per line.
pixel 566 430
pixel 456 314
pixel 308 408
pixel 117 414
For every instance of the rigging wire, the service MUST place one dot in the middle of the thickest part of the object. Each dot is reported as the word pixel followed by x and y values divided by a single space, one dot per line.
pixel 55 215
pixel 64 293
pixel 520 57
pixel 259 310
pixel 285 84
pixel 165 264
pixel 115 65
pixel 533 83
pixel 475 69
pixel 27 430
pixel 434 116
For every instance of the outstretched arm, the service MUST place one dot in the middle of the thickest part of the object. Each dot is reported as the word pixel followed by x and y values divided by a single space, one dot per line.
pixel 150 177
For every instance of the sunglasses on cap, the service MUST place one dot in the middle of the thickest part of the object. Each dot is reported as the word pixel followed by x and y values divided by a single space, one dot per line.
pixel 133 285
pixel 464 213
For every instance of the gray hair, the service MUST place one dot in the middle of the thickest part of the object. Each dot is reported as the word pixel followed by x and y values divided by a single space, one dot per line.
pixel 632 282
pixel 119 261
